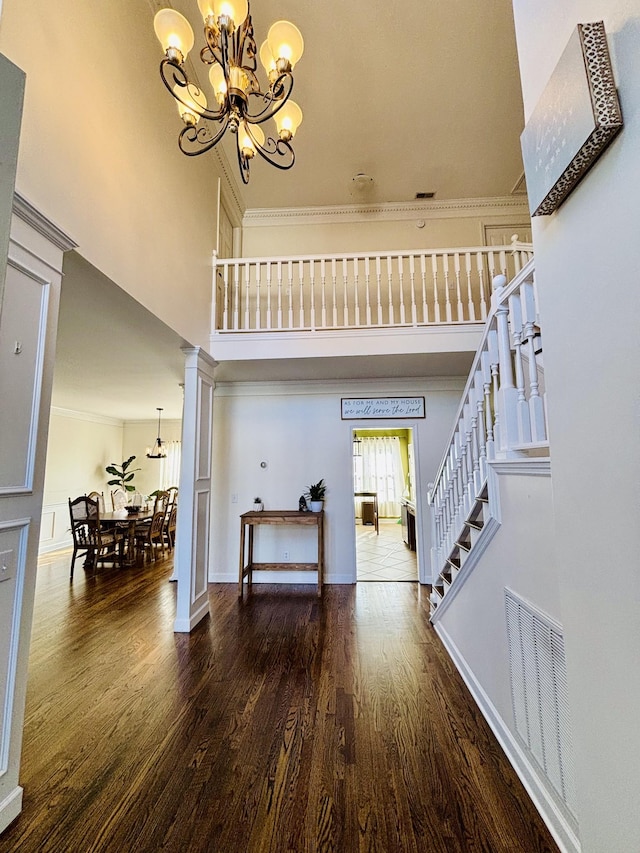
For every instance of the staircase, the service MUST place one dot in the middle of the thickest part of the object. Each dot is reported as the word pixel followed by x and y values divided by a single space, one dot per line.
pixel 502 416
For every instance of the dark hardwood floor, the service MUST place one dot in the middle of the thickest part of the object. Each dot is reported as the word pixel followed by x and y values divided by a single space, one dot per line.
pixel 285 724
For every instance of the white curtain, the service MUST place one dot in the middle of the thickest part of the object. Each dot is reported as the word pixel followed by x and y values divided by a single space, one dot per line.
pixel 379 469
pixel 170 465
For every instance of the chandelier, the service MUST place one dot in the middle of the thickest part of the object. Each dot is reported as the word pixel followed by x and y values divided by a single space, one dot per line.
pixel 157 451
pixel 240 105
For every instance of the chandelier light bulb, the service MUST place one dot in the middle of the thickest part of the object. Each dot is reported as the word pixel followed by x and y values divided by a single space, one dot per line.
pixel 219 84
pixel 207 9
pixel 288 120
pixel 174 32
pixel 286 42
pixel 266 58
pixel 246 143
pixel 236 10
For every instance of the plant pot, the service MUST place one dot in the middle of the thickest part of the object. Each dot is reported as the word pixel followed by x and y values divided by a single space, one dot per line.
pixel 258 507
pixel 315 506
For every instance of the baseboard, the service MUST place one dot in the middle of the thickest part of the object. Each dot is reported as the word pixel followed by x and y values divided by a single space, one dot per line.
pixel 10 808
pixel 558 825
pixel 185 626
pixel 281 577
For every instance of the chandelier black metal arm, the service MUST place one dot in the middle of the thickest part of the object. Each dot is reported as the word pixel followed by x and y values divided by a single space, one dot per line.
pixel 175 79
pixel 195 140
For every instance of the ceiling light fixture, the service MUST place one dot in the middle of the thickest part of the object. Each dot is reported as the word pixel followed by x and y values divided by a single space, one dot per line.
pixel 240 104
pixel 157 451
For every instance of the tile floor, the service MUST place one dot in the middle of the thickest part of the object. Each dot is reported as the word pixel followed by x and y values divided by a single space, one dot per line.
pixel 384 557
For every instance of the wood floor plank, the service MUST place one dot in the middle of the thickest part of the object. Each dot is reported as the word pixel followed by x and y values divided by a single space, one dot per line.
pixel 282 724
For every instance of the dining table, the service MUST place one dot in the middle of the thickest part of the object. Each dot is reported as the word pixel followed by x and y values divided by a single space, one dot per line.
pixel 121 518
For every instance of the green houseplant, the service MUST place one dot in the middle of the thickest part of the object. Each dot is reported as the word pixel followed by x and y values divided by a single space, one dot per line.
pixel 315 494
pixel 123 475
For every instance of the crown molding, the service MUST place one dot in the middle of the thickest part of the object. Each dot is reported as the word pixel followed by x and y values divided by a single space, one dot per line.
pixel 457 207
pixel 26 211
pixel 337 387
pixel 90 417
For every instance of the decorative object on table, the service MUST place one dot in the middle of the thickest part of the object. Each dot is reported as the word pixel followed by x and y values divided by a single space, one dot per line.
pixel 157 451
pixel 576 118
pixel 240 105
pixel 258 506
pixel 315 496
pixel 302 504
pixel 123 475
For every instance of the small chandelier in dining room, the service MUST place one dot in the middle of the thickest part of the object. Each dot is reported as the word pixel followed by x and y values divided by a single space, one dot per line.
pixel 157 451
pixel 241 106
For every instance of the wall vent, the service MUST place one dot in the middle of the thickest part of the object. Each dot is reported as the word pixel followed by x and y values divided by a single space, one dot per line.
pixel 539 693
pixel 425 195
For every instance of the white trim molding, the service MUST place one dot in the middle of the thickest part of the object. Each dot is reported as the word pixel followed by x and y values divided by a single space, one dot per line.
pixel 451 208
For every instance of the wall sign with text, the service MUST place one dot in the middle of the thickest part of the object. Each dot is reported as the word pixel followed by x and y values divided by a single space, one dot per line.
pixel 360 408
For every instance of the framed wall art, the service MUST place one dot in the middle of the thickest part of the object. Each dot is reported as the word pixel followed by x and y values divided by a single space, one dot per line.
pixel 576 118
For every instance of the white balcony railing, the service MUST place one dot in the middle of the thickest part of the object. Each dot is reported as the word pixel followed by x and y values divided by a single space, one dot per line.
pixel 502 413
pixel 389 289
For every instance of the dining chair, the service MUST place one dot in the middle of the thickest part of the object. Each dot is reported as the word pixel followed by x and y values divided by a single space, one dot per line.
pixel 118 499
pixel 149 540
pixel 169 531
pixel 82 545
pixel 97 496
pixel 96 542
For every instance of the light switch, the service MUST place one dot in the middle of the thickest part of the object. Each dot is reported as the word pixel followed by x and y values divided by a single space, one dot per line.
pixel 7 565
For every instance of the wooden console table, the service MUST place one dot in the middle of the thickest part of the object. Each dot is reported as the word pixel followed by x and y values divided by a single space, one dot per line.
pixel 282 516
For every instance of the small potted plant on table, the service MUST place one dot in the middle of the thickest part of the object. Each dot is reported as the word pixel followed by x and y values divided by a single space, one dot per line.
pixel 258 506
pixel 315 494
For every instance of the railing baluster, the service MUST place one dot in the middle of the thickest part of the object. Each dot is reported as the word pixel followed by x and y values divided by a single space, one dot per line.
pixel 258 304
pixel 333 294
pixel 456 267
pixel 401 288
pixel 247 271
pixel 522 407
pixel 436 300
pixel 483 298
pixel 423 273
pixel 236 297
pixel 290 293
pixel 279 275
pixel 367 292
pixel 378 277
pixel 301 321
pixel 390 290
pixel 225 306
pixel 412 277
pixel 312 287
pixel 356 275
pixel 323 283
pixel 445 267
pixel 536 403
pixel 470 304
pixel 268 295
pixel 345 303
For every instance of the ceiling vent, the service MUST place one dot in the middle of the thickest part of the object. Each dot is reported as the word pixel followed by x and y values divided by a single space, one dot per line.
pixel 424 195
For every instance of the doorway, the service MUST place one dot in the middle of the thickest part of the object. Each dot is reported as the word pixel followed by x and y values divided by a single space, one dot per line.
pixel 384 504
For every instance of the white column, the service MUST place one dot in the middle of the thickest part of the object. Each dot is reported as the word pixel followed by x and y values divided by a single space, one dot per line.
pixel 194 502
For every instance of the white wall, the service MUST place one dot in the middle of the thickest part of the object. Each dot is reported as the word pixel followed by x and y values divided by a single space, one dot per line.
pixel 587 262
pixel 358 229
pixel 99 153
pixel 297 430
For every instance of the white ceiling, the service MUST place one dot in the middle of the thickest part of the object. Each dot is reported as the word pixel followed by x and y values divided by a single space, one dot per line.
pixel 423 96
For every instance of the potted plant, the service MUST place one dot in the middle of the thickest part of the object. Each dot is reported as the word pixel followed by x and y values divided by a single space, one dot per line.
pixel 258 506
pixel 315 494
pixel 123 475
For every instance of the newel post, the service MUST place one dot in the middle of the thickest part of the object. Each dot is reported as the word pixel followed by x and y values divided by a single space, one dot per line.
pixel 507 398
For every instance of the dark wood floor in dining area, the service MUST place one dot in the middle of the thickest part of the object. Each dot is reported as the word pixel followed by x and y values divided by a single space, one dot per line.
pixel 285 724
